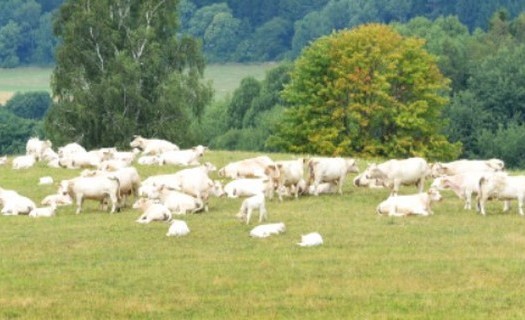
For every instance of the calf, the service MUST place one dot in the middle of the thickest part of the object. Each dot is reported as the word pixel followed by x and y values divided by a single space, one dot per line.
pixel 311 239
pixel 186 157
pixel 23 162
pixel 250 204
pixel 178 228
pixel 416 204
pixel 291 175
pixel 266 230
pixel 152 211
pixel 49 211
pixel 248 187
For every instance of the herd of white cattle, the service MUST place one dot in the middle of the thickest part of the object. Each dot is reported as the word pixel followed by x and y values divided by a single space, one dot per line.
pixel 109 178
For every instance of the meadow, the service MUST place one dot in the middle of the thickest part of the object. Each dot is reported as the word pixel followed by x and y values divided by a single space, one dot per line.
pixel 225 78
pixel 455 264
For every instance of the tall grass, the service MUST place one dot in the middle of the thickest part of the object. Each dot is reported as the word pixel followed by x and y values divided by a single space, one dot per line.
pixel 455 264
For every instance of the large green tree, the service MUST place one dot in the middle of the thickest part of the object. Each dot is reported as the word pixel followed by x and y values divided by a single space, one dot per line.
pixel 366 91
pixel 121 70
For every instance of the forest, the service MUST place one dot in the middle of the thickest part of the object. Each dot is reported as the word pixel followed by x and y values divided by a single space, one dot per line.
pixel 479 47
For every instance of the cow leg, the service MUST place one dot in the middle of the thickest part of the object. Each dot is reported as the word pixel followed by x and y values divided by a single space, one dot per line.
pixel 341 181
pixel 520 205
pixel 506 206
pixel 79 202
pixel 263 215
pixel 248 215
pixel 420 185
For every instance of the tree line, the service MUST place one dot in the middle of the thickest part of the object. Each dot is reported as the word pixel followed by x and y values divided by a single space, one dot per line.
pixel 427 87
pixel 243 31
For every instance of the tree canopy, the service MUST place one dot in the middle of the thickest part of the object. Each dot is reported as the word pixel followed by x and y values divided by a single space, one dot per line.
pixel 121 70
pixel 366 91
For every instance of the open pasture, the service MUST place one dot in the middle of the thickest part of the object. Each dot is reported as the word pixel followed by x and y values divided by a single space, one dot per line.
pixel 455 264
pixel 225 78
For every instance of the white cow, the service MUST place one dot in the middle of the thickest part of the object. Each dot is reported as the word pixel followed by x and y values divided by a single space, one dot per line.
pixel 464 185
pixel 148 160
pixel 37 147
pixel 45 180
pixel 464 166
pixel 311 239
pixel 3 160
pixel 128 178
pixel 415 204
pixel 266 230
pixel 151 211
pixel 178 228
pixel 502 187
pixel 23 162
pixel 323 188
pixel 178 202
pixel 49 211
pixel 95 188
pixel 258 167
pixel 247 187
pixel 395 173
pixel 69 149
pixel 291 175
pixel 152 146
pixel 255 202
pixel 362 181
pixel 14 203
pixel 58 199
pixel 186 157
pixel 323 169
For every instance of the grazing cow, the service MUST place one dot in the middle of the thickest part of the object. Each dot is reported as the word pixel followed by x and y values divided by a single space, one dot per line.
pixel 311 239
pixel 23 162
pixel 152 146
pixel 330 170
pixel 250 204
pixel 258 167
pixel 128 178
pixel 395 173
pixel 464 185
pixel 247 187
pixel 186 157
pixel 266 230
pixel 464 166
pixel 291 175
pixel 415 204
pixel 178 228
pixel 95 188
pixel 37 147
pixel 502 187
pixel 14 203
pixel 49 211
pixel 152 211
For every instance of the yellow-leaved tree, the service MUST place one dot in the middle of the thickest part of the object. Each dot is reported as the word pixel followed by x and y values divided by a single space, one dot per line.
pixel 365 92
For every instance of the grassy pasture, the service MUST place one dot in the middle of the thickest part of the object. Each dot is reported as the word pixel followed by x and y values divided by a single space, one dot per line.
pixel 455 264
pixel 225 78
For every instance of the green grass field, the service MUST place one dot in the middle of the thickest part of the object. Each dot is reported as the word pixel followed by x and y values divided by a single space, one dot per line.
pixel 454 264
pixel 225 78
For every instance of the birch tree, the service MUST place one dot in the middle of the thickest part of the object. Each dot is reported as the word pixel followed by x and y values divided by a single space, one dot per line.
pixel 121 70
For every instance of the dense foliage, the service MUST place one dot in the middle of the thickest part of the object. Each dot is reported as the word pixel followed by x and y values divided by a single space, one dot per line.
pixel 20 119
pixel 121 71
pixel 368 92
pixel 248 30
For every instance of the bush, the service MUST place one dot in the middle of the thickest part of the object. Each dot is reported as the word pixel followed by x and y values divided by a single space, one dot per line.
pixel 30 105
pixel 507 143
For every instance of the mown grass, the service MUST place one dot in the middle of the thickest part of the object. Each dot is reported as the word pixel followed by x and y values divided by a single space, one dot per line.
pixel 225 78
pixel 455 264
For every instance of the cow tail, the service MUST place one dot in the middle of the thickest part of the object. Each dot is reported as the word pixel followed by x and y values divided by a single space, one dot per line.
pixel 114 178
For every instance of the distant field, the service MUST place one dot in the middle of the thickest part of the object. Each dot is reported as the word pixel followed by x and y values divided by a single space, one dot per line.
pixel 225 78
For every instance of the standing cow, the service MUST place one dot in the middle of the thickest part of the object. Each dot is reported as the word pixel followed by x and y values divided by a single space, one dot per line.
pixel 395 173
pixel 330 170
